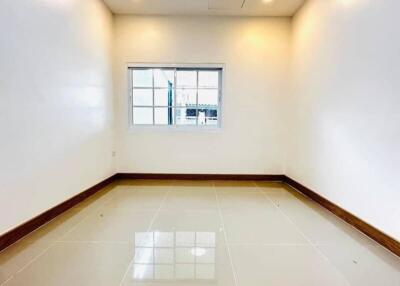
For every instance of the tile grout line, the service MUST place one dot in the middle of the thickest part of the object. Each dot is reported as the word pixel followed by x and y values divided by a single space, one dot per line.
pixel 148 230
pixel 302 234
pixel 55 241
pixel 225 236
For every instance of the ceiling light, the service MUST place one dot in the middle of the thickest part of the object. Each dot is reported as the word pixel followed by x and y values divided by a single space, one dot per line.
pixel 267 1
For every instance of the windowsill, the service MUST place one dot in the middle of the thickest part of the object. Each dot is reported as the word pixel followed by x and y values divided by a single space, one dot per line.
pixel 160 128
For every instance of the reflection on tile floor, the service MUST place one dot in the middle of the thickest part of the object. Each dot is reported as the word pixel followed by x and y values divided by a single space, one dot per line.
pixel 227 233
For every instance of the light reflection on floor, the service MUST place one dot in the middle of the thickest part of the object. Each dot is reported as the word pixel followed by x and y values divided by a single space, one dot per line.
pixel 179 255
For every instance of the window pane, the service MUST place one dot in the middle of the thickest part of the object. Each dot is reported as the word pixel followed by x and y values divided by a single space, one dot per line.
pixel 208 79
pixel 143 115
pixel 142 77
pixel 186 79
pixel 186 97
pixel 143 97
pixel 186 116
pixel 208 116
pixel 208 97
pixel 163 77
pixel 164 116
pixel 163 97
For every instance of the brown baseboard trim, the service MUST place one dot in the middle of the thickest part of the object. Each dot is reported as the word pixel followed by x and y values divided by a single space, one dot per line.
pixel 383 239
pixel 22 230
pixel 199 177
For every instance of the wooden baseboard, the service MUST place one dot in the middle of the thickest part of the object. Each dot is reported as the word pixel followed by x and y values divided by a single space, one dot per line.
pixel 199 177
pixel 22 230
pixel 388 242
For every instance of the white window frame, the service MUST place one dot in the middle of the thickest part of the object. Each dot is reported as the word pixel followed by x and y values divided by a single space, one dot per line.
pixel 196 66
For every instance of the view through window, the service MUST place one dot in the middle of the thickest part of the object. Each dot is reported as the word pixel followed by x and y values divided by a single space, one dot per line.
pixel 175 96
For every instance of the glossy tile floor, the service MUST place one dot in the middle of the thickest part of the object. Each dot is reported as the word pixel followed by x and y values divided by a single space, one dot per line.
pixel 198 233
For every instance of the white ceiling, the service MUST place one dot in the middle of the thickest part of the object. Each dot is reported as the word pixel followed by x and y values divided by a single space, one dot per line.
pixel 206 7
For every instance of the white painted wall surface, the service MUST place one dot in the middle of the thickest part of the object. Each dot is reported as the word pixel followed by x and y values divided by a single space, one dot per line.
pixel 345 133
pixel 255 52
pixel 56 108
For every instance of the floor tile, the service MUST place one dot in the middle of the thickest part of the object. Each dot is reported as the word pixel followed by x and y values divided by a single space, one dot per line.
pixel 283 266
pixel 235 186
pixel 58 227
pixel 170 233
pixel 264 227
pixel 137 200
pixel 192 220
pixel 145 185
pixel 185 261
pixel 111 224
pixel 69 264
pixel 17 256
pixel 272 187
pixel 319 225
pixel 98 198
pixel 243 201
pixel 190 200
pixel 364 265
pixel 191 184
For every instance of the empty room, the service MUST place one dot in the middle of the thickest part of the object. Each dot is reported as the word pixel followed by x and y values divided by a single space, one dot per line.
pixel 200 142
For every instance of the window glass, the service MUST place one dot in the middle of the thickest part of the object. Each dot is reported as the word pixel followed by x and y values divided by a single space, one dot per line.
pixel 186 116
pixel 176 96
pixel 163 116
pixel 186 79
pixel 142 78
pixel 164 97
pixel 142 97
pixel 209 79
pixel 143 115
pixel 208 97
pixel 186 97
pixel 163 78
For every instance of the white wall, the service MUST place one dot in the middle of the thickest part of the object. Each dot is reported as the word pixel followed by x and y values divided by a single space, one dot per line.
pixel 346 97
pixel 255 51
pixel 55 103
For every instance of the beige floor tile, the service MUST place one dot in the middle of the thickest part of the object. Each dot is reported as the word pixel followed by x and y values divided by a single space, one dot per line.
pixel 182 265
pixel 77 264
pixel 144 185
pixel 283 266
pixel 364 265
pixel 190 200
pixel 243 201
pixel 264 227
pixel 190 184
pixel 200 220
pixel 111 224
pixel 137 200
pixel 17 256
pixel 98 199
pixel 272 187
pixel 173 234
pixel 320 226
pixel 58 227
pixel 235 186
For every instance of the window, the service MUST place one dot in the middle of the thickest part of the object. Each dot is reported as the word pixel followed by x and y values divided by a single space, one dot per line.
pixel 175 96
